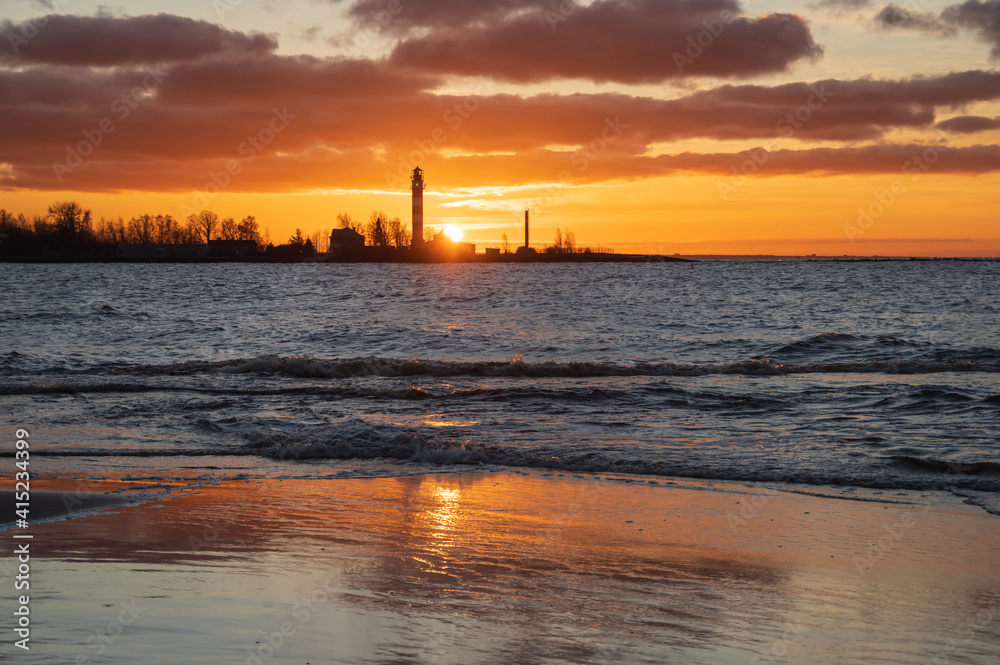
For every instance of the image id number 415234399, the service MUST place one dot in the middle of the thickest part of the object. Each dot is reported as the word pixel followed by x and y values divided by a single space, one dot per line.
pixel 22 542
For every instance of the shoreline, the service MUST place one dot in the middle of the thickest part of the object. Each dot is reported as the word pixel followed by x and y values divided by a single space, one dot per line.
pixel 510 258
pixel 477 258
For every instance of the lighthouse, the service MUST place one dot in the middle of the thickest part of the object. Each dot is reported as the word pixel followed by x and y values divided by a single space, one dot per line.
pixel 417 187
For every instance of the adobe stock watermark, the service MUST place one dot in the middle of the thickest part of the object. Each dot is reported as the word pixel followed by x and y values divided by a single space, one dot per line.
pixel 784 127
pixel 983 619
pixel 248 149
pixel 223 7
pixel 581 159
pixel 915 167
pixel 104 638
pixel 696 44
pixel 121 108
pixel 885 543
pixel 560 12
pixel 454 117
pixel 751 507
pixel 31 27
pixel 777 651
pixel 302 613
pixel 378 20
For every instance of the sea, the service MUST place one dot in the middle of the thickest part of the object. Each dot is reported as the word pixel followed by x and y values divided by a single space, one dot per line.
pixel 874 375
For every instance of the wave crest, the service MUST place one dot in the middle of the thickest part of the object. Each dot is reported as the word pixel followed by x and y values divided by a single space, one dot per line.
pixel 307 366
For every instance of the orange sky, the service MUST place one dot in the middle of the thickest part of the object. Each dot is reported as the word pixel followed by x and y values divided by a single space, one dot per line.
pixel 838 127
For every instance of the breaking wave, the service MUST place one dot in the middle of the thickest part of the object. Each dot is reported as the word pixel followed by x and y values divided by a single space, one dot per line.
pixel 307 366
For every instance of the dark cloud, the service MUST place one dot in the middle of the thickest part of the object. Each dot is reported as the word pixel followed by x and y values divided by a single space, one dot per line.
pixel 278 170
pixel 183 101
pixel 893 16
pixel 840 6
pixel 203 108
pixel 969 124
pixel 354 120
pixel 403 15
pixel 981 17
pixel 626 41
pixel 110 41
pixel 298 78
pixel 949 90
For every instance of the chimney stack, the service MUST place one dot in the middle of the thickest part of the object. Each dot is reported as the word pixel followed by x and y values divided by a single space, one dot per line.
pixel 526 229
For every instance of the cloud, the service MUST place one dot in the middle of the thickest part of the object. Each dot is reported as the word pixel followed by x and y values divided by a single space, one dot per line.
pixel 279 171
pixel 840 6
pixel 969 124
pixel 300 78
pixel 894 16
pixel 981 17
pixel 624 41
pixel 111 41
pixel 436 13
pixel 348 128
pixel 204 109
pixel 170 125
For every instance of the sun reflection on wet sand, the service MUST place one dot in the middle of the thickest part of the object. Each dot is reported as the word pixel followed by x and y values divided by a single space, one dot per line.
pixel 481 566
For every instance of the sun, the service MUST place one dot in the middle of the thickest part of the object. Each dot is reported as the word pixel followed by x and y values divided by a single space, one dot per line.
pixel 453 232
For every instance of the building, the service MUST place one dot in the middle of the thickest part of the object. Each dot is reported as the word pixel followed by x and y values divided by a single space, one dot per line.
pixel 147 251
pixel 232 248
pixel 417 187
pixel 345 243
pixel 443 248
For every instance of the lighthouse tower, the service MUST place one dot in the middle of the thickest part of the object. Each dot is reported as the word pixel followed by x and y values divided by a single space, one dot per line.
pixel 417 187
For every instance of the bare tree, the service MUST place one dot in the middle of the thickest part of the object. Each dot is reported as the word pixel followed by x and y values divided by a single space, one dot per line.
pixel 429 233
pixel 398 234
pixel 42 226
pixel 19 224
pixel 345 221
pixel 323 245
pixel 248 229
pixel 505 242
pixel 70 220
pixel 117 230
pixel 228 229
pixel 569 242
pixel 168 231
pixel 204 224
pixel 141 229
pixel 376 229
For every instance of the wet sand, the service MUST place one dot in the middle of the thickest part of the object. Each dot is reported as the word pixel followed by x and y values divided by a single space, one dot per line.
pixel 480 567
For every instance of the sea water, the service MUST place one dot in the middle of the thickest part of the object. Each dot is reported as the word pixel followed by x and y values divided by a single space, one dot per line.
pixel 861 374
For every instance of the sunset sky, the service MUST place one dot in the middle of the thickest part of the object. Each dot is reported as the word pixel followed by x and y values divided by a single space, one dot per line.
pixel 769 126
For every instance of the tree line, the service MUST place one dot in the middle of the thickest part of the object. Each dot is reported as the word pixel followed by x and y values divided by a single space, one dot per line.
pixel 68 225
pixel 381 230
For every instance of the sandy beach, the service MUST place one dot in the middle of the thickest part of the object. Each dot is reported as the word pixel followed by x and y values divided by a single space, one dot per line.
pixel 511 567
